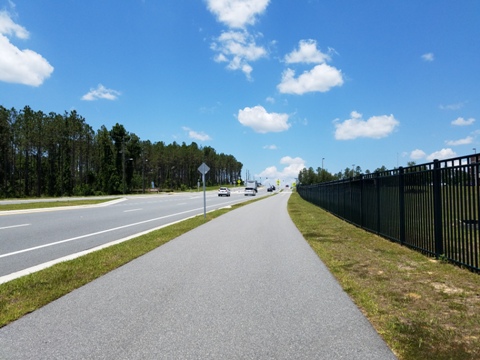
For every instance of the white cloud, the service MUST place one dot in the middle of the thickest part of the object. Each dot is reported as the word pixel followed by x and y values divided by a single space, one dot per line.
pixel 456 106
pixel 417 154
pixel 101 92
pixel 237 13
pixel 238 49
pixel 201 136
pixel 375 127
pixel 428 57
pixel 261 121
pixel 321 78
pixel 307 53
pixel 9 27
pixel 465 141
pixel 288 174
pixel 270 100
pixel 442 154
pixel 462 122
pixel 270 147
pixel 20 66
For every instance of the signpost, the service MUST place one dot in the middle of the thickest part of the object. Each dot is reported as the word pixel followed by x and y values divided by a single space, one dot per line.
pixel 203 170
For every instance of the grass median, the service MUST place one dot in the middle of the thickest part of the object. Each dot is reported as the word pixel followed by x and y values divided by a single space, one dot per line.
pixel 52 204
pixel 26 294
pixel 423 308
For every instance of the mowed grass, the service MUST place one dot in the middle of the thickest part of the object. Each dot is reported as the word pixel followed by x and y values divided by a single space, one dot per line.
pixel 423 308
pixel 26 294
pixel 52 204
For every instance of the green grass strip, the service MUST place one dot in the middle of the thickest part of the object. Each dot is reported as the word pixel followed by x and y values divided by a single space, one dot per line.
pixel 52 204
pixel 423 308
pixel 26 294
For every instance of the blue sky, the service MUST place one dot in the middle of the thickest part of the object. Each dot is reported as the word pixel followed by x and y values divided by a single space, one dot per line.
pixel 279 84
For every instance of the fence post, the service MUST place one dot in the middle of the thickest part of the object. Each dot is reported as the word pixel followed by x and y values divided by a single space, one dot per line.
pixel 401 202
pixel 377 195
pixel 362 222
pixel 437 208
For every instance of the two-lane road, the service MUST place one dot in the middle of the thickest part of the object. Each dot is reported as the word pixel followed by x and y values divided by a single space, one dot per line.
pixel 31 238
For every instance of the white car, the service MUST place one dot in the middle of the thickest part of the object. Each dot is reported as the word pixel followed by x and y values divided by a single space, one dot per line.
pixel 250 191
pixel 224 191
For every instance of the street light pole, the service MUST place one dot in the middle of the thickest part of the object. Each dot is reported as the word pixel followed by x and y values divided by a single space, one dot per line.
pixel 123 166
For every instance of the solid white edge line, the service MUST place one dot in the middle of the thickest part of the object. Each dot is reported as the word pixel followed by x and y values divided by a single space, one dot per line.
pixel 33 269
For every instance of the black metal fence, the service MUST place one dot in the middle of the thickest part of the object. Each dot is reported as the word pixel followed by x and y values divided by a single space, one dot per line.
pixel 433 208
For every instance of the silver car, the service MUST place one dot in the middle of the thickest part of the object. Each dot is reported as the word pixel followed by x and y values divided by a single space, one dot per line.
pixel 224 191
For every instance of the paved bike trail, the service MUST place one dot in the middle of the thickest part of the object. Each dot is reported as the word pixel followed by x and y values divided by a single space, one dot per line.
pixel 243 286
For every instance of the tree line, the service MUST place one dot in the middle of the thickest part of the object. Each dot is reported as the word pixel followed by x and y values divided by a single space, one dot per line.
pixel 61 155
pixel 310 176
pixel 454 174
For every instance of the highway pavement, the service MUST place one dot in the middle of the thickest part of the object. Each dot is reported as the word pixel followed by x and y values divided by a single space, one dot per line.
pixel 33 239
pixel 245 285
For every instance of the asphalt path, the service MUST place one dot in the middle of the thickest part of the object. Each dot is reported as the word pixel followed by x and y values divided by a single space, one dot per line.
pixel 245 285
pixel 33 239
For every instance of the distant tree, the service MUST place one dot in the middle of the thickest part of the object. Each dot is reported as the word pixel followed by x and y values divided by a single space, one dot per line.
pixel 381 169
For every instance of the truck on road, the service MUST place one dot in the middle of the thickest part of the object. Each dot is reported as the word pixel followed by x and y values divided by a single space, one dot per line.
pixel 251 187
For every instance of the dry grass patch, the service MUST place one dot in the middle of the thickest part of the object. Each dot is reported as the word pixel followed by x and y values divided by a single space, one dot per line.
pixel 423 308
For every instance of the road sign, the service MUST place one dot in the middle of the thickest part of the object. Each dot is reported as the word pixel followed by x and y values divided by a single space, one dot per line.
pixel 203 168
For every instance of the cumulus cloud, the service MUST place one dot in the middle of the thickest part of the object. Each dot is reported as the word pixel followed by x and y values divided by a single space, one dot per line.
pixel 101 92
pixel 237 13
pixel 462 122
pixel 201 136
pixel 320 79
pixel 417 154
pixel 237 46
pixel 238 49
pixel 429 57
pixel 20 66
pixel 442 154
pixel 290 168
pixel 375 127
pixel 465 141
pixel 307 53
pixel 261 121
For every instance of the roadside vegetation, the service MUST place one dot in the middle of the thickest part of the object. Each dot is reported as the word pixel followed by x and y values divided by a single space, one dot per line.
pixel 26 294
pixel 54 155
pixel 423 308
pixel 52 204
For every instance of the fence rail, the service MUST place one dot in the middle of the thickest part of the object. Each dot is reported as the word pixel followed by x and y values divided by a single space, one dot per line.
pixel 433 208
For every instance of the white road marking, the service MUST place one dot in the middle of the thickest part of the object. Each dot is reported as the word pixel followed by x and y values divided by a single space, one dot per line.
pixel 30 270
pixel 133 210
pixel 12 276
pixel 93 234
pixel 14 226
